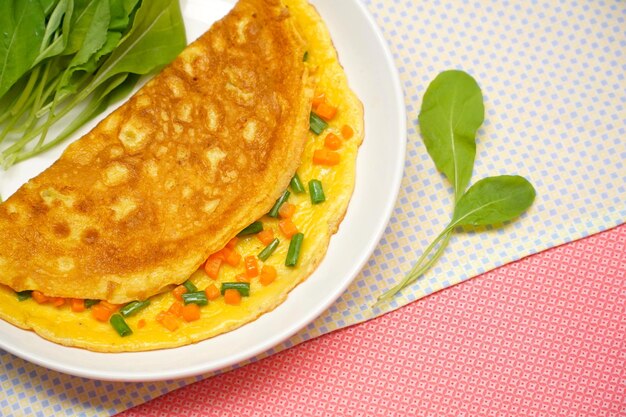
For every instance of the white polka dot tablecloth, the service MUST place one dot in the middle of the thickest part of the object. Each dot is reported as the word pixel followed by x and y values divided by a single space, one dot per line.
pixel 553 77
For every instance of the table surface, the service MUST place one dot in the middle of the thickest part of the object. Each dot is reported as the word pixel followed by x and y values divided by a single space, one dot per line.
pixel 543 336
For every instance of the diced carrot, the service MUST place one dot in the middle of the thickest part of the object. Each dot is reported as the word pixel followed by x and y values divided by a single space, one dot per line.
pixel 176 309
pixel 266 236
pixel 232 243
pixel 252 266
pixel 332 141
pixel 212 266
pixel 170 323
pixel 141 324
pixel 57 301
pixel 191 312
pixel 287 210
pixel 78 305
pixel 231 257
pixel 178 292
pixel 318 99
pixel 288 228
pixel 218 255
pixel 326 111
pixel 112 307
pixel 212 292
pixel 325 157
pixel 242 278
pixel 39 297
pixel 347 132
pixel 167 320
pixel 232 297
pixel 268 275
pixel 101 312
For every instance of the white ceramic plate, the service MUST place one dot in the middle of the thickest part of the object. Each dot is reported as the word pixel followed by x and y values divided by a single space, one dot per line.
pixel 372 74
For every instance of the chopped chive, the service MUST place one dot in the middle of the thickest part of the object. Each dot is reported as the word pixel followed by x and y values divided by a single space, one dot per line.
pixel 306 56
pixel 190 287
pixel 133 308
pixel 198 297
pixel 316 191
pixel 242 287
pixel 91 303
pixel 294 249
pixel 296 184
pixel 23 295
pixel 120 325
pixel 281 200
pixel 253 229
pixel 317 124
pixel 269 249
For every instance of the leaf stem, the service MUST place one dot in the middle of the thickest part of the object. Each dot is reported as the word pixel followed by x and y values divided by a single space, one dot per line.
pixel 419 269
pixel 20 144
pixel 26 93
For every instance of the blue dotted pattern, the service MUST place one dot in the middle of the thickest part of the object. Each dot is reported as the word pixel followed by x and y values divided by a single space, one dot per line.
pixel 553 78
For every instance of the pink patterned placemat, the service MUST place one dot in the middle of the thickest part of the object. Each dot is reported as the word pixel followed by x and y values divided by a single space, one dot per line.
pixel 544 336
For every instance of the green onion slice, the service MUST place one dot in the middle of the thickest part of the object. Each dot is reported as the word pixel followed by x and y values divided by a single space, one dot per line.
pixel 120 326
pixel 317 124
pixel 281 200
pixel 91 303
pixel 133 308
pixel 269 249
pixel 316 191
pixel 190 287
pixel 198 297
pixel 253 229
pixel 294 249
pixel 306 56
pixel 296 185
pixel 242 287
pixel 23 295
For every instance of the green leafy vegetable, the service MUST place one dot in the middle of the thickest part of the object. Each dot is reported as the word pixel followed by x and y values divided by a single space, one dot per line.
pixel 113 90
pixel 53 40
pixel 47 5
pixel 95 38
pixel 22 27
pixel 452 111
pixel 59 53
pixel 120 13
pixel 494 200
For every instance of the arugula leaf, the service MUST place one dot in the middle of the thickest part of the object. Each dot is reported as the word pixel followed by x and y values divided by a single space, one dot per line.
pixel 494 200
pixel 121 11
pixel 62 14
pixel 144 47
pixel 95 38
pixel 451 113
pixel 47 5
pixel 82 19
pixel 22 27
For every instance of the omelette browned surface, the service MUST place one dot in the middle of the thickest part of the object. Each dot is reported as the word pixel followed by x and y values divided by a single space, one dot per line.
pixel 201 151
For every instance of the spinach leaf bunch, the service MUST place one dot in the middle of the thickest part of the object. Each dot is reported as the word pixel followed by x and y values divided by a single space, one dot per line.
pixel 56 54
pixel 452 111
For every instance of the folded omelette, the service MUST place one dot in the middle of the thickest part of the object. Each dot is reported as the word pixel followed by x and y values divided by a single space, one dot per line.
pixel 155 195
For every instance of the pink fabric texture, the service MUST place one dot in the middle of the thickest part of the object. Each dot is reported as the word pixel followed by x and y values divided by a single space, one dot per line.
pixel 544 336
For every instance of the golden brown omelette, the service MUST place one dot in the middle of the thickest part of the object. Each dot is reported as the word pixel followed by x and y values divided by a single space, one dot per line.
pixel 203 149
pixel 162 182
